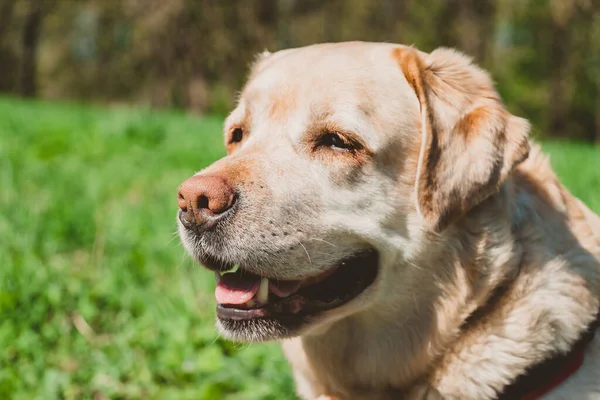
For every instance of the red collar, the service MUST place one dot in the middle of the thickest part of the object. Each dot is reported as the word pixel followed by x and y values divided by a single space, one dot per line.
pixel 571 366
pixel 546 376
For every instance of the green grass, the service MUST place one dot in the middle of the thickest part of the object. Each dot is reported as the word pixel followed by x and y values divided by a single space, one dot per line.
pixel 96 294
pixel 97 298
pixel 578 167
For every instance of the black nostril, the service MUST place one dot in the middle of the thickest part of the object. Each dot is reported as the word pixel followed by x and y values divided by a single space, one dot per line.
pixel 181 201
pixel 202 202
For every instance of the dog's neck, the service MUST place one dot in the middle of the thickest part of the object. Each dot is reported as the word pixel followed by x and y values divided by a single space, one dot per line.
pixel 419 323
pixel 516 329
pixel 479 315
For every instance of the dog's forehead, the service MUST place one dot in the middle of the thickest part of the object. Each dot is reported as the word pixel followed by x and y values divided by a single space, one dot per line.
pixel 353 83
pixel 319 69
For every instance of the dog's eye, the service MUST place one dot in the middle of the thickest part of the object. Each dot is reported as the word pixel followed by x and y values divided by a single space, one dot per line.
pixel 335 141
pixel 236 135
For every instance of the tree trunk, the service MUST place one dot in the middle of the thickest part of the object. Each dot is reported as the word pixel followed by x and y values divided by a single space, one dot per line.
pixel 473 27
pixel 486 22
pixel 445 21
pixel 8 59
pixel 560 42
pixel 6 14
pixel 31 35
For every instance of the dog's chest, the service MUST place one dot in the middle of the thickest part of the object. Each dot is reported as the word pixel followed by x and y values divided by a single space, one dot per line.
pixel 344 367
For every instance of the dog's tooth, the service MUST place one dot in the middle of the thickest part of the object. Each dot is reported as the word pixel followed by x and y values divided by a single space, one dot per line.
pixel 263 292
pixel 217 277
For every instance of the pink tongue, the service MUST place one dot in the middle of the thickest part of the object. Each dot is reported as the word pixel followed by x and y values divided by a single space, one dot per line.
pixel 236 289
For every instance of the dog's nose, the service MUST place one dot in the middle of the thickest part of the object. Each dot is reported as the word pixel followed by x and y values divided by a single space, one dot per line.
pixel 203 199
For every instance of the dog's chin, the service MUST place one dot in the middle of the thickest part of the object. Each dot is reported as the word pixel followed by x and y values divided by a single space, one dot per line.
pixel 289 314
pixel 262 329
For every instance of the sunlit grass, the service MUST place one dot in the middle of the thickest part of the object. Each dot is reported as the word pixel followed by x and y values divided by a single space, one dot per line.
pixel 578 167
pixel 96 294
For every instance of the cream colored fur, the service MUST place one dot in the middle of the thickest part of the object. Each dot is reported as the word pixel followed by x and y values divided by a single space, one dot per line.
pixel 469 222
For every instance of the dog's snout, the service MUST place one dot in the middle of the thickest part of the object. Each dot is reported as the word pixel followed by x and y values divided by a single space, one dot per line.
pixel 204 198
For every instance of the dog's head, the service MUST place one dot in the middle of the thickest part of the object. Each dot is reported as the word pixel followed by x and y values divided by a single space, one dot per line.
pixel 341 159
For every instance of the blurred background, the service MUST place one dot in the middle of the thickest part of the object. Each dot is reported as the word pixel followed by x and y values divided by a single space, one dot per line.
pixel 193 55
pixel 106 106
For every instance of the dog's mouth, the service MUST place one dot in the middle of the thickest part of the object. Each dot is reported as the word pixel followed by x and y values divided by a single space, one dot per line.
pixel 242 295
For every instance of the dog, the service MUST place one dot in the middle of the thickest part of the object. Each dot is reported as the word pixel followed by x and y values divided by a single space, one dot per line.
pixel 383 215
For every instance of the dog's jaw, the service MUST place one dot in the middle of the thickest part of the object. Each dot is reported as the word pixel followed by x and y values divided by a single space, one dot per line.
pixel 253 314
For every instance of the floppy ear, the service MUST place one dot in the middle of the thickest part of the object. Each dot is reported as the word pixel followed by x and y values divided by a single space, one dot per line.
pixel 469 142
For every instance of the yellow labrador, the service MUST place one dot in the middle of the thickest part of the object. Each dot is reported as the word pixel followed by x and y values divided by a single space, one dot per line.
pixel 384 215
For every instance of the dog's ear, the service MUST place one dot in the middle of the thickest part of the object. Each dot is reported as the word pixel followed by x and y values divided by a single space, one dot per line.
pixel 469 142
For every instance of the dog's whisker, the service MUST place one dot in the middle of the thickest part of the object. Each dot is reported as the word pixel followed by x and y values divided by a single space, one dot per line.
pixel 217 337
pixel 184 254
pixel 324 241
pixel 241 346
pixel 412 264
pixel 307 255
pixel 173 237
